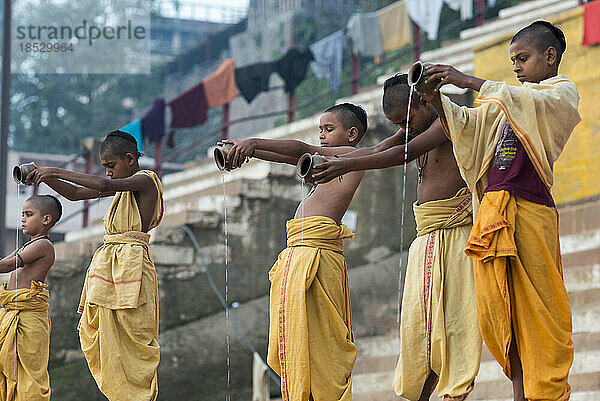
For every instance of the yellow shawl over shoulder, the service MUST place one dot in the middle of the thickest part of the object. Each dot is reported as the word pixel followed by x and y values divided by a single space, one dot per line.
pixel 118 328
pixel 24 343
pixel 542 116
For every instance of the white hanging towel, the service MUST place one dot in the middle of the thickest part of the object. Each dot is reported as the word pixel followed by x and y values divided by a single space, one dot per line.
pixel 465 7
pixel 426 14
pixel 328 54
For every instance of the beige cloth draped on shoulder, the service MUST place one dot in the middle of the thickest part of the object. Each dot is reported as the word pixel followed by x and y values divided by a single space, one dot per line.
pixel 542 116
pixel 24 343
pixel 438 327
pixel 310 329
pixel 118 329
pixel 514 243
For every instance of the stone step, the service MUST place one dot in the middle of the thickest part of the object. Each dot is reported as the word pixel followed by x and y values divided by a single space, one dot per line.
pixel 583 241
pixel 377 357
pixel 578 218
pixel 390 396
pixel 490 383
pixel 384 356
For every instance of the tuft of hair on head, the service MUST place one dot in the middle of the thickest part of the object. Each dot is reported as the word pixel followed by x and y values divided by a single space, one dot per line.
pixel 396 92
pixel 350 115
pixel 119 143
pixel 47 204
pixel 541 35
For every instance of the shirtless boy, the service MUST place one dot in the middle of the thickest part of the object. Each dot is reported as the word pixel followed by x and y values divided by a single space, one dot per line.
pixel 310 333
pixel 440 339
pixel 24 318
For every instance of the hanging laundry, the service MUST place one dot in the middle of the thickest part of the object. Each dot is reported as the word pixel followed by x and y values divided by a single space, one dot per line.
pixel 366 41
pixel 591 23
pixel 464 6
pixel 153 122
pixel 135 130
pixel 426 14
pixel 219 87
pixel 394 26
pixel 292 67
pixel 189 108
pixel 328 53
pixel 253 79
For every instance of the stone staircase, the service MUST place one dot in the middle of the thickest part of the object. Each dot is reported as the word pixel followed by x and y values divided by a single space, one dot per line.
pixel 580 246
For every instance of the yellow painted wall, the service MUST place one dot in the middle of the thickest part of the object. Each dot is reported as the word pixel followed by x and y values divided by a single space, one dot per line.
pixel 577 171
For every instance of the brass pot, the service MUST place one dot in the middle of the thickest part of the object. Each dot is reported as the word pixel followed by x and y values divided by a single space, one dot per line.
pixel 21 172
pixel 416 76
pixel 220 156
pixel 306 164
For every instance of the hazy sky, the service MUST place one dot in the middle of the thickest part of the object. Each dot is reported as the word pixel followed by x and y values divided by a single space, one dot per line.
pixel 208 10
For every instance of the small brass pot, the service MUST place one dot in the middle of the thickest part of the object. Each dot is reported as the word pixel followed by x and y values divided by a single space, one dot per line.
pixel 417 77
pixel 21 172
pixel 220 155
pixel 306 164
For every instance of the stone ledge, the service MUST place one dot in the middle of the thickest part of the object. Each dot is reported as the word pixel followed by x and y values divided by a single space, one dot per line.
pixel 171 254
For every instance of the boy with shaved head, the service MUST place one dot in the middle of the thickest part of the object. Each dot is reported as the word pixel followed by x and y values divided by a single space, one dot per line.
pixel 24 318
pixel 310 331
pixel 118 329
pixel 505 149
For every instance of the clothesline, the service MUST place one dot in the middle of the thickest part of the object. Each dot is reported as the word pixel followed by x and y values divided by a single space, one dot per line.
pixel 189 108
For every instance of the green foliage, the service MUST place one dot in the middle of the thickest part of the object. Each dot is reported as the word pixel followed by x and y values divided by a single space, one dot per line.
pixel 50 113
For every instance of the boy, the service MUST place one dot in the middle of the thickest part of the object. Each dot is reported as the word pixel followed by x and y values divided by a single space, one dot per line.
pixel 439 334
pixel 505 149
pixel 118 329
pixel 310 333
pixel 24 318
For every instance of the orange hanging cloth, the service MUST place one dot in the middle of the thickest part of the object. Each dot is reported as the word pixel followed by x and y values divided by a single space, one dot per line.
pixel 219 87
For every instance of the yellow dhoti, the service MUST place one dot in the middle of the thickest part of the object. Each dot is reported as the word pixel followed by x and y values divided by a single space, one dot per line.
pixel 519 283
pixel 118 329
pixel 438 327
pixel 310 334
pixel 24 343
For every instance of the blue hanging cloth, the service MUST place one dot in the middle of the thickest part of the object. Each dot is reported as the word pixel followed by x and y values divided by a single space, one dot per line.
pixel 135 130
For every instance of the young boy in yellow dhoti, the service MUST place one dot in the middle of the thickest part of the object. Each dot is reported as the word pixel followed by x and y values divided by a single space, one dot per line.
pixel 505 148
pixel 24 318
pixel 310 330
pixel 118 328
pixel 439 334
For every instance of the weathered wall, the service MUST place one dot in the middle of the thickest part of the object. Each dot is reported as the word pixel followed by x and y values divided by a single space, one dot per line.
pixel 577 171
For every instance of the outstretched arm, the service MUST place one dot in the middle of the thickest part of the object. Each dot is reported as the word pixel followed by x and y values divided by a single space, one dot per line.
pixel 397 155
pixel 274 157
pixel 439 75
pixel 289 150
pixel 398 138
pixel 96 185
pixel 74 192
